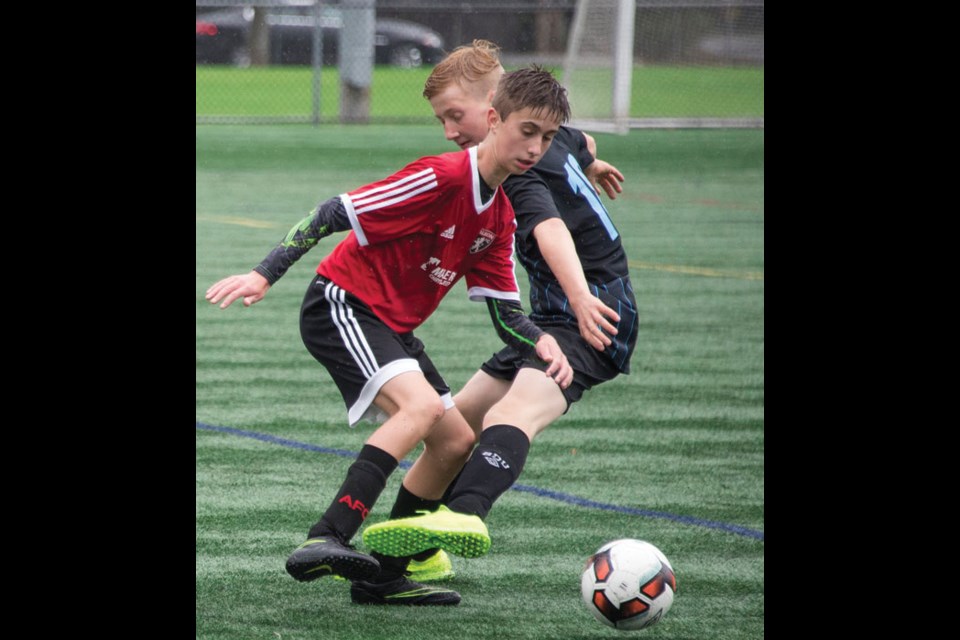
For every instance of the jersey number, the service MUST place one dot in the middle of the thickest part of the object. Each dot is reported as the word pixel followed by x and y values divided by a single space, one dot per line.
pixel 580 184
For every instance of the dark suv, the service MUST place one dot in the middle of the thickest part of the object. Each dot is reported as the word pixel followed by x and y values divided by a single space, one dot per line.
pixel 223 37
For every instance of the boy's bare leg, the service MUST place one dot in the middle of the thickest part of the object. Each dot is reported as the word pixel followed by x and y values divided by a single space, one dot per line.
pixel 531 404
pixel 414 408
pixel 481 392
pixel 445 451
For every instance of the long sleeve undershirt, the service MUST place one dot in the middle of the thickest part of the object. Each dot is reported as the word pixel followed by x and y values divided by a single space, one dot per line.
pixel 514 327
pixel 329 217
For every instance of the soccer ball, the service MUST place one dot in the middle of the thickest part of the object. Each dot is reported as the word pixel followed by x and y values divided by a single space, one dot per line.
pixel 628 584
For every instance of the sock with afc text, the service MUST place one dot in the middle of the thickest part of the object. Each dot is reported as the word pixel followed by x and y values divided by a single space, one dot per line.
pixel 364 483
pixel 493 467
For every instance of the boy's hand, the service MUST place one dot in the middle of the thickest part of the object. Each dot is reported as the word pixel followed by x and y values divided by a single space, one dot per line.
pixel 604 175
pixel 249 286
pixel 549 351
pixel 595 319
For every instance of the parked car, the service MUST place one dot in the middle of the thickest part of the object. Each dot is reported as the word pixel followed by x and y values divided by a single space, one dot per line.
pixel 729 48
pixel 223 38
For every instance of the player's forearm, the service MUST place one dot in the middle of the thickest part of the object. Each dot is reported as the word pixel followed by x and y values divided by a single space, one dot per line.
pixel 327 218
pixel 559 252
pixel 513 326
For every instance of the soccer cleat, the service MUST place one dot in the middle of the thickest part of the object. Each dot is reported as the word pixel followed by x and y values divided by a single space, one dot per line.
pixel 458 533
pixel 434 569
pixel 327 556
pixel 402 591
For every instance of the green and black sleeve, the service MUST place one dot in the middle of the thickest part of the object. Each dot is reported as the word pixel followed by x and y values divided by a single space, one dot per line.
pixel 329 217
pixel 514 327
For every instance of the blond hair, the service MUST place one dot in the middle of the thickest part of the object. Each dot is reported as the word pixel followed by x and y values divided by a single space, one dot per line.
pixel 475 67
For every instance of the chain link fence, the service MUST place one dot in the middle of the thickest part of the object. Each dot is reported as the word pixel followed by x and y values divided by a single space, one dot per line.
pixel 280 60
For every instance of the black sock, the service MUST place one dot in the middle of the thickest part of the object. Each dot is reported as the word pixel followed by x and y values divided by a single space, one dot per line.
pixel 493 467
pixel 446 495
pixel 365 480
pixel 407 504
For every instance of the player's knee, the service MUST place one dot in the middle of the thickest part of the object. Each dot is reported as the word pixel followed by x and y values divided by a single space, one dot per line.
pixel 462 441
pixel 425 412
pixel 451 445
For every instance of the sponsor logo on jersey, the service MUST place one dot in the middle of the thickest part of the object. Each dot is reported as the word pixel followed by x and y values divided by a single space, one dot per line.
pixel 443 277
pixel 484 240
pixel 448 234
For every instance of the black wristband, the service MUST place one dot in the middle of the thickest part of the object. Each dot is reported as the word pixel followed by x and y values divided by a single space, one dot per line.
pixel 262 270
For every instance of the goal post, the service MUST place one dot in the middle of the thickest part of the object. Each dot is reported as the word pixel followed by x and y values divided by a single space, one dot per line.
pixel 623 64
pixel 634 64
pixel 598 65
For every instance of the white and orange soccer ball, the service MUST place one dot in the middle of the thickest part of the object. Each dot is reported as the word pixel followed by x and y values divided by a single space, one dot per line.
pixel 628 584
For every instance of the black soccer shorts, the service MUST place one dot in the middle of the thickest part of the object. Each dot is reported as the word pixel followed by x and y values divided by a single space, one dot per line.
pixel 360 352
pixel 590 367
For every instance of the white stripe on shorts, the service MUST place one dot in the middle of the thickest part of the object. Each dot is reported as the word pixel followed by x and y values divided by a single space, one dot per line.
pixel 363 408
pixel 350 331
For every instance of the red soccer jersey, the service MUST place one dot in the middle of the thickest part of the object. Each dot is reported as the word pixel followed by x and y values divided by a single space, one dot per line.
pixel 417 233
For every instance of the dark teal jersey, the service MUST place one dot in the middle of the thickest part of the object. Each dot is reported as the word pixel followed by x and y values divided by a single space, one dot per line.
pixel 557 188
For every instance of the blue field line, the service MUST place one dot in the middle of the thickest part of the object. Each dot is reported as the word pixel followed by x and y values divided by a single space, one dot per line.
pixel 543 493
pixel 593 504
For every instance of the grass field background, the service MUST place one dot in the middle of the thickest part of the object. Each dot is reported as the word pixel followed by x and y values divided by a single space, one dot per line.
pixel 676 448
pixel 659 91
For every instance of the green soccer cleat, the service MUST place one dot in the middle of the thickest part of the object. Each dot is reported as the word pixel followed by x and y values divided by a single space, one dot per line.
pixel 401 591
pixel 458 533
pixel 327 556
pixel 436 568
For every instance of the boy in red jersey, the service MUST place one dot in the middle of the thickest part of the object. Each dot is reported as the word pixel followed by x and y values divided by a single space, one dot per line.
pixel 578 274
pixel 412 236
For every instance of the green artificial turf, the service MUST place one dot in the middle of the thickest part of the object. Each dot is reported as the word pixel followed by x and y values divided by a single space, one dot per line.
pixel 675 450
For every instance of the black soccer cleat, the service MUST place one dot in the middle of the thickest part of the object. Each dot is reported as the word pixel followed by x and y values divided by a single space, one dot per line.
pixel 328 556
pixel 402 591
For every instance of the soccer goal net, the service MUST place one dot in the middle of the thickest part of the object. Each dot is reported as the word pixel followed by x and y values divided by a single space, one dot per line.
pixel 665 63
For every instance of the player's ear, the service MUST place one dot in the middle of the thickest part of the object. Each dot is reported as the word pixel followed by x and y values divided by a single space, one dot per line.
pixel 493 119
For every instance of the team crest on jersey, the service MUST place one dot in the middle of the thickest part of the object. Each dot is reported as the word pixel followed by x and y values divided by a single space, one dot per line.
pixel 443 277
pixel 484 240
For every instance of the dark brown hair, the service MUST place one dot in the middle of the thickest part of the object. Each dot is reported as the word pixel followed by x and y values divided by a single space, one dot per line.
pixel 532 88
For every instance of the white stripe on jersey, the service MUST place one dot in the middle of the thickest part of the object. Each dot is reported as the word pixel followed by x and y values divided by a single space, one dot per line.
pixel 383 195
pixel 350 331
pixel 398 183
pixel 404 195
